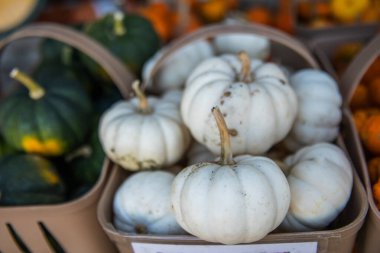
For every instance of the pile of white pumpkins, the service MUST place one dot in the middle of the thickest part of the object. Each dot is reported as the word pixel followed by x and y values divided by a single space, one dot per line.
pixel 223 108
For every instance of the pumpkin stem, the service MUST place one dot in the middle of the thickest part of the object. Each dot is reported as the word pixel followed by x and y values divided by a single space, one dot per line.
pixel 84 151
pixel 225 143
pixel 118 25
pixel 143 105
pixel 35 90
pixel 245 72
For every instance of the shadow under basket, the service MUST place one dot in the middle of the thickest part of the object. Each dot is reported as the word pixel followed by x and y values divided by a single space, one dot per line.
pixel 67 227
pixel 339 237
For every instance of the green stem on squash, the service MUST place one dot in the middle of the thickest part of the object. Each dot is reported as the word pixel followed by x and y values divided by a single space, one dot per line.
pixel 245 72
pixel 35 90
pixel 84 151
pixel 118 25
pixel 143 101
pixel 225 143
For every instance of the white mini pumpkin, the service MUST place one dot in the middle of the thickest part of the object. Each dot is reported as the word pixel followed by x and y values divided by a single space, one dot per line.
pixel 255 98
pixel 256 46
pixel 143 133
pixel 199 153
pixel 173 73
pixel 174 96
pixel 142 204
pixel 320 181
pixel 235 200
pixel 319 113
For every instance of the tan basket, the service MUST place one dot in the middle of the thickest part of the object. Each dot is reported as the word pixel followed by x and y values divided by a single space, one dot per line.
pixel 309 33
pixel 368 240
pixel 71 226
pixel 324 47
pixel 340 237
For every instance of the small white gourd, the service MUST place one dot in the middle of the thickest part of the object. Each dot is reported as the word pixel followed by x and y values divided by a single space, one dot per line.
pixel 174 96
pixel 142 204
pixel 256 46
pixel 173 73
pixel 320 179
pixel 235 200
pixel 143 133
pixel 255 98
pixel 199 153
pixel 319 114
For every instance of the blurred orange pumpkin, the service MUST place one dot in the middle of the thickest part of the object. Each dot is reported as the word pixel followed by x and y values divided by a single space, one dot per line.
pixel 212 10
pixel 360 97
pixel 159 14
pixel 370 133
pixel 259 14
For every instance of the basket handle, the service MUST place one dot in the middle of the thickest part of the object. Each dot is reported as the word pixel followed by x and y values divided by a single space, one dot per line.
pixel 220 29
pixel 357 68
pixel 118 72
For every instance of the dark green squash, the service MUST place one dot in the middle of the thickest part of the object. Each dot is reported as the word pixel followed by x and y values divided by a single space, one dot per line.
pixel 56 56
pixel 130 37
pixel 29 180
pixel 86 162
pixel 5 149
pixel 51 117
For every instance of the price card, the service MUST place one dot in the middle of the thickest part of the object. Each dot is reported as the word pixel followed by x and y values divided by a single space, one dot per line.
pixel 301 247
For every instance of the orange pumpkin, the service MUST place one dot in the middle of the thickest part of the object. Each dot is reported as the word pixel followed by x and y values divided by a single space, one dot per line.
pixel 259 14
pixel 370 133
pixel 322 9
pixel 361 115
pixel 159 14
pixel 360 97
pixel 374 169
pixel 212 10
pixel 283 19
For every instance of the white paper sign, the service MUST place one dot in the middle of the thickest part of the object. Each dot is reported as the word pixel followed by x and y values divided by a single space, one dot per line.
pixel 301 247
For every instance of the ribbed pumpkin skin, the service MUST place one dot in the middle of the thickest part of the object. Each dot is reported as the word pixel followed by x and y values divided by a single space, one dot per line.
pixel 138 141
pixel 51 125
pixel 87 169
pixel 259 113
pixel 28 180
pixel 133 48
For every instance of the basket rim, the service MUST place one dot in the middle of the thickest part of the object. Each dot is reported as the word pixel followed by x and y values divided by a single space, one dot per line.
pixel 341 232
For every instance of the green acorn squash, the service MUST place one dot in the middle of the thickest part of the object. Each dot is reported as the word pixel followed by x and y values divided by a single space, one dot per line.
pixel 62 56
pixel 5 149
pixel 130 37
pixel 86 162
pixel 50 117
pixel 29 180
